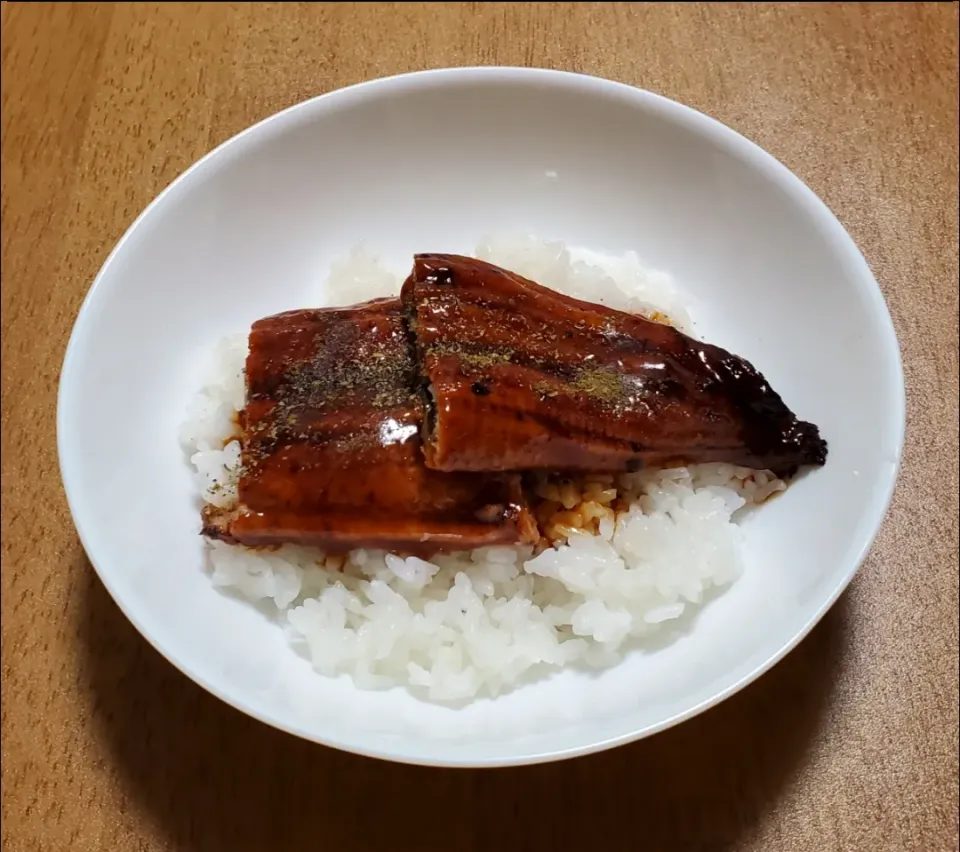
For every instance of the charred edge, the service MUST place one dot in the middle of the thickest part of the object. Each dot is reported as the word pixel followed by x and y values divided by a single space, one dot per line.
pixel 419 380
pixel 770 429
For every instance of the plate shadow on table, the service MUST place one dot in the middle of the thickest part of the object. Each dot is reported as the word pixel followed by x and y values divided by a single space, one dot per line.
pixel 206 777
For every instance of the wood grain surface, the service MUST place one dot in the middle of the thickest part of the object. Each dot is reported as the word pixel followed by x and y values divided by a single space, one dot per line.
pixel 849 744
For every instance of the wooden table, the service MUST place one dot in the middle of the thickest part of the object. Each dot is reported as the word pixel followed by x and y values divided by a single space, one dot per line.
pixel 849 744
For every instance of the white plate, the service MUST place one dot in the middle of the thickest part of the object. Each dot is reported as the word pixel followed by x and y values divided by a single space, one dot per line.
pixel 431 162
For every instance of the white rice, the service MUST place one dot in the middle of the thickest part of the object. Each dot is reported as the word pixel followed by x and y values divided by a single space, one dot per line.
pixel 630 554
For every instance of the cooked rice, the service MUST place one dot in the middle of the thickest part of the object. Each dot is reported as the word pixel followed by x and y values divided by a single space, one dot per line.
pixel 622 554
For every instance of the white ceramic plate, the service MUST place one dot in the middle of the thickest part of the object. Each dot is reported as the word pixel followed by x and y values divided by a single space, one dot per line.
pixel 431 162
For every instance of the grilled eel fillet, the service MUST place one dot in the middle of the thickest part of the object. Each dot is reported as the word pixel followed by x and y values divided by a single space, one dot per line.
pixel 519 377
pixel 331 447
